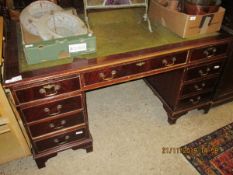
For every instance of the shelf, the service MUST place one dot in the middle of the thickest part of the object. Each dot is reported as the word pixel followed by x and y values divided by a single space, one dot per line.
pixel 4 129
pixel 3 120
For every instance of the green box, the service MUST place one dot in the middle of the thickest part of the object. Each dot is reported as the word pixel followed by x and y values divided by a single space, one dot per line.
pixel 59 48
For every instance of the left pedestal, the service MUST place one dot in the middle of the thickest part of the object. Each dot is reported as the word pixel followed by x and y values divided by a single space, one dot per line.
pixel 54 114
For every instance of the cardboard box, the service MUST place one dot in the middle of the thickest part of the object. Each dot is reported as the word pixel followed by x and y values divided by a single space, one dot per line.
pixel 38 51
pixel 186 25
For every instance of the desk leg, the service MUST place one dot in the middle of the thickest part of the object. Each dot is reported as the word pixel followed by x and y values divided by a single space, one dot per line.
pixel 40 161
pixel 205 108
pixel 89 149
pixel 173 117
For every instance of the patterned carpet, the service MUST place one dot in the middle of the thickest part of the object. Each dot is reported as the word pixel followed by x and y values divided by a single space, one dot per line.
pixel 213 153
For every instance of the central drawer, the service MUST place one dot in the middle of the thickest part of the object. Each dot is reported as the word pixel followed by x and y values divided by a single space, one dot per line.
pixel 51 109
pixel 153 63
pixel 56 124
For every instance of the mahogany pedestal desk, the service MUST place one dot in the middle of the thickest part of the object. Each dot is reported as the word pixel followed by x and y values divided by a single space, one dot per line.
pixel 51 99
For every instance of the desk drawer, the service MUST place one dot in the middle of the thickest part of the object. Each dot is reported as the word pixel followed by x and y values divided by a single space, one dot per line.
pixel 194 100
pixel 61 139
pixel 200 86
pixel 56 124
pixel 48 88
pixel 208 52
pixel 203 71
pixel 52 108
pixel 112 73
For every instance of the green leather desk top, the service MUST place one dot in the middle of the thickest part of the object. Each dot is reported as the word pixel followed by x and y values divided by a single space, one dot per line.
pixel 117 31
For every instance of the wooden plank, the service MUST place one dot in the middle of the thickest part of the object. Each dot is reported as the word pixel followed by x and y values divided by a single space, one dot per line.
pixel 1 35
pixel 4 129
pixel 12 129
pixel 3 120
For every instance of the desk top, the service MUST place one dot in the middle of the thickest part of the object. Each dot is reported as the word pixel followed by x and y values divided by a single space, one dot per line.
pixel 122 36
pixel 118 31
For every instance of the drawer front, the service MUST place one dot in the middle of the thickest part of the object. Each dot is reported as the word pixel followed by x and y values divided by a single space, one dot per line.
pixel 203 71
pixel 56 124
pixel 51 88
pixel 112 73
pixel 194 100
pixel 52 109
pixel 61 140
pixel 200 86
pixel 208 52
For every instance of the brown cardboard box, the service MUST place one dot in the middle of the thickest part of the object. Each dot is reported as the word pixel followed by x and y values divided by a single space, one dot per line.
pixel 186 25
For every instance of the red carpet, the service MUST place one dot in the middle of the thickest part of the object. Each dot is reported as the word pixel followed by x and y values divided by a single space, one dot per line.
pixel 213 153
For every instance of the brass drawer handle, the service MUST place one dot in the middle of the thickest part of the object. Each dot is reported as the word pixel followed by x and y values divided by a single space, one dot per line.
pixel 140 64
pixel 202 73
pixel 59 142
pixel 48 111
pixel 53 126
pixel 103 76
pixel 50 89
pixel 199 88
pixel 166 64
pixel 195 101
pixel 210 52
